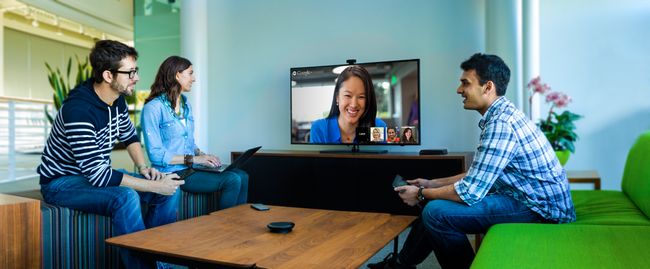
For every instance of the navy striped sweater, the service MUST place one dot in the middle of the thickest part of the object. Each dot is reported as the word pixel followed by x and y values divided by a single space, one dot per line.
pixel 82 138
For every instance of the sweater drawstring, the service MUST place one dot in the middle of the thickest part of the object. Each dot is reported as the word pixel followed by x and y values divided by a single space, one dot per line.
pixel 110 127
pixel 117 124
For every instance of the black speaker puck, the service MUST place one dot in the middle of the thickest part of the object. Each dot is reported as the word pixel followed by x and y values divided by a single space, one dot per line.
pixel 282 227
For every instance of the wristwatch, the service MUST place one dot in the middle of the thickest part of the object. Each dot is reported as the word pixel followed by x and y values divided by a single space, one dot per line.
pixel 189 160
pixel 420 196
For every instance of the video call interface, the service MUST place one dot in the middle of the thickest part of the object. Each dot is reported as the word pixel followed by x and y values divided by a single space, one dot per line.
pixel 396 87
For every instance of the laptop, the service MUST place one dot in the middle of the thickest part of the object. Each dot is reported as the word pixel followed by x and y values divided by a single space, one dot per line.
pixel 238 163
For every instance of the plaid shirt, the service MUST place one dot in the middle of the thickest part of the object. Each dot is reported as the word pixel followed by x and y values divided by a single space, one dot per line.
pixel 514 158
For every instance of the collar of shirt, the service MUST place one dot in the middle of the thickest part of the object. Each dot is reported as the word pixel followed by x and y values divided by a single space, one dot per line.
pixel 333 130
pixel 494 107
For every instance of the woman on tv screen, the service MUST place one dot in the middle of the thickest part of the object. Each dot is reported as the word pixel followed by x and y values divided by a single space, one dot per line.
pixel 353 105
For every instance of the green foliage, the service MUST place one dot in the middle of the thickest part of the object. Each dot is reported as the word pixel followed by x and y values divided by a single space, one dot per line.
pixel 560 130
pixel 61 85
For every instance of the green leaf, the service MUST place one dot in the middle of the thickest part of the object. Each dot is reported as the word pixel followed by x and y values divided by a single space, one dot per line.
pixel 559 129
pixel 47 114
pixel 61 85
pixel 67 74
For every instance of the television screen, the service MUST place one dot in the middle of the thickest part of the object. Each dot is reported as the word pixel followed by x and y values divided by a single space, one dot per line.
pixel 363 103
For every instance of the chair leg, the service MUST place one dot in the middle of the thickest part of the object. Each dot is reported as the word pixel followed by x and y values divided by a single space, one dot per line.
pixel 478 238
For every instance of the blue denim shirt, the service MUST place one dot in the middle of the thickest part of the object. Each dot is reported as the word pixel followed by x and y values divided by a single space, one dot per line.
pixel 327 130
pixel 164 134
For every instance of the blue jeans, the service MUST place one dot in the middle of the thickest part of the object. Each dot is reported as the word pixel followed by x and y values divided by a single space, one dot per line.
pixel 233 186
pixel 121 204
pixel 443 225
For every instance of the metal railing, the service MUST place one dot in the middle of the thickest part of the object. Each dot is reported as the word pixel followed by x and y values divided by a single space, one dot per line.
pixel 24 128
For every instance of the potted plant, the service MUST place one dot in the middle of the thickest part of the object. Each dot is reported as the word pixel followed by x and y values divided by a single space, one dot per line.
pixel 62 85
pixel 558 128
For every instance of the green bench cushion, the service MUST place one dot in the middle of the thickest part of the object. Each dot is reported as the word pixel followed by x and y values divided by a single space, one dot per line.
pixel 564 246
pixel 606 208
pixel 636 176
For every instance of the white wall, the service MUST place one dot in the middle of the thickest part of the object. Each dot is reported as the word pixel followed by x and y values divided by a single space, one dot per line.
pixel 24 63
pixel 254 43
pixel 598 52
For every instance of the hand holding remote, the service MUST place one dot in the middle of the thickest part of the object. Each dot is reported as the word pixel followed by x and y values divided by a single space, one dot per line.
pixel 398 182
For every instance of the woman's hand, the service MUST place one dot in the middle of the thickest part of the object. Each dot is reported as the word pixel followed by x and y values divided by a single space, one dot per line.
pixel 207 160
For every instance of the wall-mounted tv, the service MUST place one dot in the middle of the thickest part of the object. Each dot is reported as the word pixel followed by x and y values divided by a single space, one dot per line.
pixel 373 103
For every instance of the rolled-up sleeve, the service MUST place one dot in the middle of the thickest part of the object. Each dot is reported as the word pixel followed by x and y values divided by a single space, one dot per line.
pixel 496 149
pixel 151 118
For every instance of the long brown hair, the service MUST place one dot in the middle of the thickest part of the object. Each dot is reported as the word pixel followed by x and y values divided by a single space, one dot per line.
pixel 165 82
pixel 368 117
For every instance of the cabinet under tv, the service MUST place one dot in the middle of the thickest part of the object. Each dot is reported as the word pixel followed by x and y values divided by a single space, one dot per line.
pixel 343 181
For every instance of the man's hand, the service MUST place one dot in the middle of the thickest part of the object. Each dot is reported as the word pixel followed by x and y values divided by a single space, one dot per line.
pixel 207 160
pixel 151 173
pixel 167 185
pixel 408 193
pixel 420 182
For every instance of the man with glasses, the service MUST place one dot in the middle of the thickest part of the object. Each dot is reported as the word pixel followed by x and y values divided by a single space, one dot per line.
pixel 75 170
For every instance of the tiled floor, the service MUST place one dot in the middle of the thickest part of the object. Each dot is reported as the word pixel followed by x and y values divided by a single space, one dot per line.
pixel 429 263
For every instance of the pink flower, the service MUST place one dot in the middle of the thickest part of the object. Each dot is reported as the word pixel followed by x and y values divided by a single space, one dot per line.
pixel 534 82
pixel 536 85
pixel 562 101
pixel 553 96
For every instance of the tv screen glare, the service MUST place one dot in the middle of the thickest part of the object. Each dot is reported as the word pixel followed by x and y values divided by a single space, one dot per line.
pixel 319 116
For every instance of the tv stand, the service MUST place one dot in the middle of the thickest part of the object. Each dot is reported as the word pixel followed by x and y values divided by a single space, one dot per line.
pixel 355 149
pixel 352 181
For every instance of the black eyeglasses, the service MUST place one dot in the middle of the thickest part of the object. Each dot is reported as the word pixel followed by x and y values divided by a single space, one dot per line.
pixel 131 73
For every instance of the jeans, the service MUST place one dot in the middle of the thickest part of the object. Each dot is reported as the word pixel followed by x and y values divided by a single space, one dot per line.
pixel 233 186
pixel 121 204
pixel 443 225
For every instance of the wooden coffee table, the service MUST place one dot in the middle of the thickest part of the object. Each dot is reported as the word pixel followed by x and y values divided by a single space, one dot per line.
pixel 238 238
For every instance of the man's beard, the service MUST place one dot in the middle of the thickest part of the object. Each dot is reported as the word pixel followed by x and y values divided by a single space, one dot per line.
pixel 122 89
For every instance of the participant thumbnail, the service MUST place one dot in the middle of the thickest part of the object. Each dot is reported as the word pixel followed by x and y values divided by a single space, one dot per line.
pixel 377 134
pixel 392 135
pixel 408 135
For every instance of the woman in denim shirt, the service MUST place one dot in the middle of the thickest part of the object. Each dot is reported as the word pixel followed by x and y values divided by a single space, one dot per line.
pixel 168 127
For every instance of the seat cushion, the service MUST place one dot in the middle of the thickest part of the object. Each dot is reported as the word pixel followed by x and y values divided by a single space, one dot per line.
pixel 564 246
pixel 636 176
pixel 606 208
pixel 74 239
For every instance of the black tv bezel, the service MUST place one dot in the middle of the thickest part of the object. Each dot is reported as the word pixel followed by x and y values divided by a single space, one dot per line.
pixel 419 125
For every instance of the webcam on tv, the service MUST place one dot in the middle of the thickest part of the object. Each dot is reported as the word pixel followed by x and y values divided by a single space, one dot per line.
pixel 351 61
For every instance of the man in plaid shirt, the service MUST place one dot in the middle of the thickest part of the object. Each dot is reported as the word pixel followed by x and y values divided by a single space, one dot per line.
pixel 514 178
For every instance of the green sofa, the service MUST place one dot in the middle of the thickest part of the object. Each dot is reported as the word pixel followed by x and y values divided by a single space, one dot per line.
pixel 612 228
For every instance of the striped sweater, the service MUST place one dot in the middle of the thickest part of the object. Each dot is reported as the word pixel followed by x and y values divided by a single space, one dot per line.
pixel 82 138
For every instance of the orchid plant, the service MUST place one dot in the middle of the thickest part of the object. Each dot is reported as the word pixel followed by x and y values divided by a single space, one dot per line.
pixel 559 129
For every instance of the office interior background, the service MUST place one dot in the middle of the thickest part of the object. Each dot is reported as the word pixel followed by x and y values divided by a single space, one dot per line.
pixel 595 51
